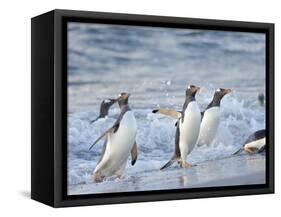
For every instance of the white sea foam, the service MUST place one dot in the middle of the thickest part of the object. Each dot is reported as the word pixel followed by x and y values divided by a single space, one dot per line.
pixel 156 73
pixel 155 137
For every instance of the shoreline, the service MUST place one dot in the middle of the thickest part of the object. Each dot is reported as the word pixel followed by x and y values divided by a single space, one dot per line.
pixel 235 170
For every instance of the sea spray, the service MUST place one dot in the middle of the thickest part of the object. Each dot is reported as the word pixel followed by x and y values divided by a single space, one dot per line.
pixel 155 137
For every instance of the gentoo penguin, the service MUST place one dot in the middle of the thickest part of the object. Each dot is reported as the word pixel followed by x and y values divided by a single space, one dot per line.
pixel 261 99
pixel 210 118
pixel 187 127
pixel 255 143
pixel 104 108
pixel 119 143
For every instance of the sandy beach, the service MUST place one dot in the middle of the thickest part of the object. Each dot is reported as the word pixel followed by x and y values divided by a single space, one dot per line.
pixel 236 170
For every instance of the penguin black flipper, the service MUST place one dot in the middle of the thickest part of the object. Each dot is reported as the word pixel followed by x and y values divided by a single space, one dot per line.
pixel 117 123
pixel 177 123
pixel 102 135
pixel 177 143
pixel 116 127
pixel 202 115
pixel 238 151
pixel 134 154
pixel 113 129
pixel 94 120
pixel 170 162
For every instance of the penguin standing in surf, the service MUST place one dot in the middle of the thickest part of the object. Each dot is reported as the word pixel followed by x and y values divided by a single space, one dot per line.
pixel 211 118
pixel 187 127
pixel 104 108
pixel 120 142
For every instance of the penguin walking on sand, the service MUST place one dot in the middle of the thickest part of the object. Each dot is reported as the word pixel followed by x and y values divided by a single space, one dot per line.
pixel 120 142
pixel 104 108
pixel 187 127
pixel 211 118
pixel 255 143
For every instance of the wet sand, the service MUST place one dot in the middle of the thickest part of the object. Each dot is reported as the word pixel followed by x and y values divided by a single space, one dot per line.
pixel 235 170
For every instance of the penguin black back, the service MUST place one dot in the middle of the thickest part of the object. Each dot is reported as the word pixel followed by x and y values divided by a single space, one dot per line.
pixel 256 136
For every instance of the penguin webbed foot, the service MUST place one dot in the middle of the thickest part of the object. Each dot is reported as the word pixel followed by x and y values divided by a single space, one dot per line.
pixel 185 165
pixel 97 178
pixel 120 176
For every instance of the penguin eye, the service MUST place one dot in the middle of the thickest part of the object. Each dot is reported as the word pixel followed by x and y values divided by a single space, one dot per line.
pixel 218 90
pixel 188 87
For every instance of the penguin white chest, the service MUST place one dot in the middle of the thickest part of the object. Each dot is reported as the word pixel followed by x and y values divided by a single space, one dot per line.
pixel 254 145
pixel 209 126
pixel 189 128
pixel 119 145
pixel 121 142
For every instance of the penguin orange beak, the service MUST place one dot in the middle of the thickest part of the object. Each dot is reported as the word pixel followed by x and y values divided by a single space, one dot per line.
pixel 123 96
pixel 227 90
pixel 196 89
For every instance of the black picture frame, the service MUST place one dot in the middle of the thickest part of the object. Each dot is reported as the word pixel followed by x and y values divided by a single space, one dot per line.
pixel 49 107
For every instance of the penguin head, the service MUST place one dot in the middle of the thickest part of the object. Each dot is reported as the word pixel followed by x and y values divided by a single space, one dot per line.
pixel 108 102
pixel 105 106
pixel 218 95
pixel 221 92
pixel 191 91
pixel 123 99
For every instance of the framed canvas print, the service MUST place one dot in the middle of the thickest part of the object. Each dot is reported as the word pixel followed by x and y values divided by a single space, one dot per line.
pixel 134 108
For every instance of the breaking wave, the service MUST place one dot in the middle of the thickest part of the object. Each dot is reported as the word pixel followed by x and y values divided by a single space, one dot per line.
pixel 156 134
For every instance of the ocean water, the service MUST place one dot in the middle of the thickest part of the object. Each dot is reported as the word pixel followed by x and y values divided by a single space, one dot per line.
pixel 156 65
